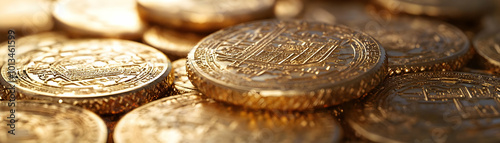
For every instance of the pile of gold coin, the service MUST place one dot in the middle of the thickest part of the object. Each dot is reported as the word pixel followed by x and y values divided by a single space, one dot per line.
pixel 230 71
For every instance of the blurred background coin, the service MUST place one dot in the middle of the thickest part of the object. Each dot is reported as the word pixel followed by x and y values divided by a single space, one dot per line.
pixel 44 122
pixel 25 17
pixel 176 44
pixel 204 15
pixel 191 118
pixel 96 18
pixel 288 9
pixel 286 65
pixel 181 82
pixel 106 76
pixel 487 45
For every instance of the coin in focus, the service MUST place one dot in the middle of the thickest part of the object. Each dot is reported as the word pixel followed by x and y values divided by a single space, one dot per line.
pixel 431 107
pixel 204 15
pixel 192 118
pixel 286 65
pixel 96 18
pixel 40 121
pixel 454 9
pixel 107 76
pixel 181 82
pixel 25 16
pixel 487 45
pixel 175 44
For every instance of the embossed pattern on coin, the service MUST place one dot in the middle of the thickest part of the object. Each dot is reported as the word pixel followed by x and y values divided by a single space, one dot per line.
pixel 175 44
pixel 105 76
pixel 431 107
pixel 181 81
pixel 487 45
pixel 192 118
pixel 204 15
pixel 416 44
pixel 286 65
pixel 39 121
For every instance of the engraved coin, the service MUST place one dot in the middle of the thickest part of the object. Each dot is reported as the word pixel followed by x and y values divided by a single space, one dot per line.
pixel 456 9
pixel 416 44
pixel 97 18
pixel 44 122
pixel 192 118
pixel 286 65
pixel 181 81
pixel 204 15
pixel 175 44
pixel 25 17
pixel 487 45
pixel 106 76
pixel 431 107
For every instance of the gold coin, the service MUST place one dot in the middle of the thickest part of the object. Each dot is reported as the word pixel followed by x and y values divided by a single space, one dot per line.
pixel 417 44
pixel 25 17
pixel 431 107
pixel 487 45
pixel 44 122
pixel 286 65
pixel 106 76
pixel 204 15
pixel 181 82
pixel 288 9
pixel 175 44
pixel 461 9
pixel 191 118
pixel 96 18
pixel 350 13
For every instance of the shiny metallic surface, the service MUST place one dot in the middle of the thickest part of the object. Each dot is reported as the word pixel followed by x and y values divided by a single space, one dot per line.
pixel 430 107
pixel 286 65
pixel 193 118
pixel 175 44
pixel 106 76
pixel 181 82
pixel 487 45
pixel 26 16
pixel 45 122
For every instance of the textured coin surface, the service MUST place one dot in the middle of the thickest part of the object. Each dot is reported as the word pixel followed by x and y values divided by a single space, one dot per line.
pixel 286 65
pixel 487 45
pixel 192 118
pixel 416 44
pixel 204 15
pixel 25 17
pixel 105 76
pixel 175 44
pixel 44 122
pixel 431 107
pixel 456 9
pixel 96 18
pixel 181 81
pixel 31 42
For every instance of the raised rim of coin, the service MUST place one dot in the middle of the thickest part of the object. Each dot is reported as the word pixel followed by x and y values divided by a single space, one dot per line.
pixel 171 42
pixel 351 64
pixel 488 48
pixel 181 82
pixel 93 126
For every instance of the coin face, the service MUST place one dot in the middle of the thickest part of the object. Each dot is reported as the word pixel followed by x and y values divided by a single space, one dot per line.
pixel 39 121
pixel 286 65
pixel 175 44
pixel 431 107
pixel 416 44
pixel 95 18
pixel 109 73
pixel 204 15
pixel 487 45
pixel 181 81
pixel 33 17
pixel 191 118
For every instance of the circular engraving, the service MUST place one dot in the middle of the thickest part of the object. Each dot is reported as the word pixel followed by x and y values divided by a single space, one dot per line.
pixel 431 107
pixel 39 121
pixel 286 58
pixel 191 118
pixel 487 45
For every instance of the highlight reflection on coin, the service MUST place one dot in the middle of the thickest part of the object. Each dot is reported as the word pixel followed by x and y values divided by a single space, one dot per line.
pixel 96 18
pixel 191 118
pixel 25 16
pixel 487 45
pixel 175 44
pixel 288 9
pixel 416 44
pixel 431 107
pixel 458 9
pixel 106 76
pixel 204 15
pixel 181 81
pixel 39 121
pixel 350 13
pixel 286 65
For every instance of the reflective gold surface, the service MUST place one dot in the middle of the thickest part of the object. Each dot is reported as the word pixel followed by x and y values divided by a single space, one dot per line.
pixel 204 15
pixel 96 18
pixel 288 9
pixel 44 122
pixel 175 44
pixel 286 65
pixel 487 45
pixel 431 107
pixel 26 16
pixel 191 118
pixel 457 9
pixel 181 81
pixel 103 75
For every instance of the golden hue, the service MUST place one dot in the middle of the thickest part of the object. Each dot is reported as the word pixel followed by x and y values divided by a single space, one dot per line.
pixel 181 82
pixel 25 16
pixel 175 44
pixel 487 45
